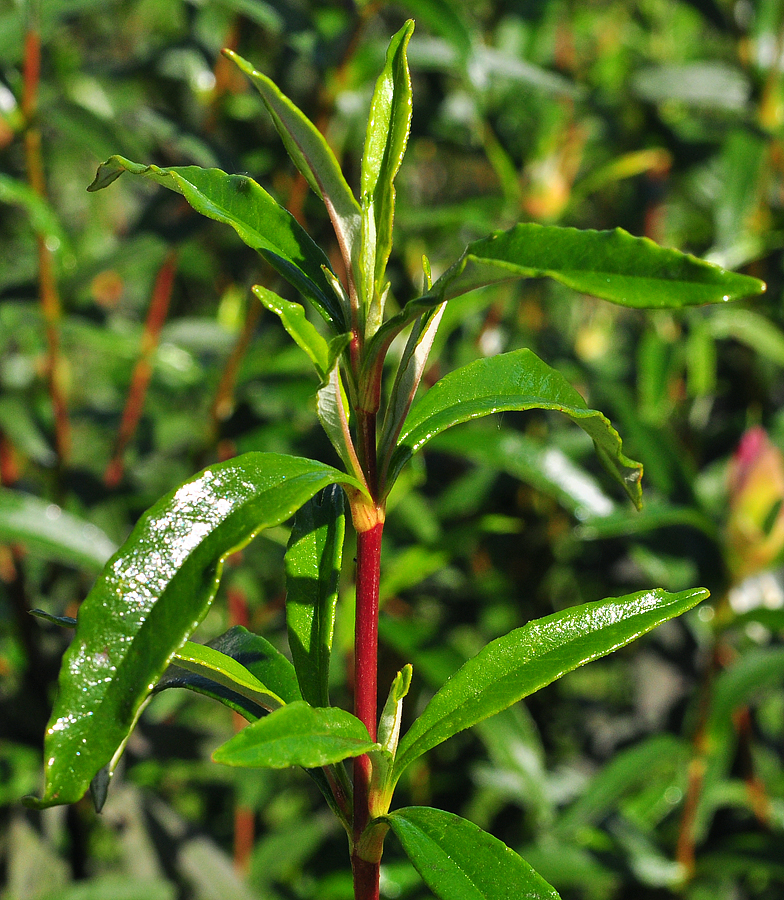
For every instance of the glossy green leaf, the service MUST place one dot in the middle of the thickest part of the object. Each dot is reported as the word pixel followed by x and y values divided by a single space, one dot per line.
pixel 313 563
pixel 459 861
pixel 612 265
pixel 385 144
pixel 258 219
pixel 517 380
pixel 297 735
pixel 322 353
pixel 152 595
pixel 525 660
pixel 52 532
pixel 255 655
pixel 200 659
pixel 313 157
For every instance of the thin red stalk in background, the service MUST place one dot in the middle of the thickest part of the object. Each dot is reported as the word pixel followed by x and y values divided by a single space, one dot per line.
pixel 49 294
pixel 140 380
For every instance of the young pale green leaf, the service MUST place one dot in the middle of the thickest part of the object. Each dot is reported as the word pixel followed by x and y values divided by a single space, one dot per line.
pixel 515 380
pixel 459 861
pixel 47 529
pixel 385 144
pixel 313 561
pixel 409 374
pixel 297 735
pixel 313 157
pixel 255 655
pixel 323 354
pixel 258 219
pixel 525 660
pixel 612 265
pixel 333 412
pixel 151 596
pixel 223 670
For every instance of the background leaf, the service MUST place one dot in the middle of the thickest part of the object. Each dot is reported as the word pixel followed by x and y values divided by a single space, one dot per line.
pixel 49 530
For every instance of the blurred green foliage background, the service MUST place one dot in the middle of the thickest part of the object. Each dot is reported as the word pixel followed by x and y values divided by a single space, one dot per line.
pixel 132 354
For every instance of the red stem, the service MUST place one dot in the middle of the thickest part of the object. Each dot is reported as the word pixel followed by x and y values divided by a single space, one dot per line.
pixel 366 695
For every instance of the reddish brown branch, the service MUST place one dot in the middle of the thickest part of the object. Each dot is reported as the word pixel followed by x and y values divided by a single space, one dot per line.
pixel 140 380
pixel 49 294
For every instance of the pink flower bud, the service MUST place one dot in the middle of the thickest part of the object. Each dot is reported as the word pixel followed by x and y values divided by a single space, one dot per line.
pixel 754 533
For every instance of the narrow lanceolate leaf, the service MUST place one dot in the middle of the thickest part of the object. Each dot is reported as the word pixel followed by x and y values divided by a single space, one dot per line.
pixel 200 659
pixel 258 219
pixel 409 374
pixel 313 562
pixel 297 735
pixel 516 380
pixel 322 353
pixel 612 265
pixel 459 861
pixel 527 659
pixel 333 412
pixel 52 532
pixel 313 157
pixel 151 596
pixel 385 144
pixel 255 655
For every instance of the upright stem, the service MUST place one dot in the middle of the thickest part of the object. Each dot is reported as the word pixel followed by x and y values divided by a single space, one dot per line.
pixel 366 871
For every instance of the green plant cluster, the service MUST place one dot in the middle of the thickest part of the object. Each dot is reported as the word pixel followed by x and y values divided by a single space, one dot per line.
pixel 134 354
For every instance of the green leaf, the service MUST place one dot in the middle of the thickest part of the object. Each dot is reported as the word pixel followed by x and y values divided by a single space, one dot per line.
pixel 152 595
pixel 313 563
pixel 525 660
pixel 333 412
pixel 313 157
pixel 517 380
pixel 48 530
pixel 258 219
pixel 385 144
pixel 633 767
pixel 323 354
pixel 612 265
pixel 201 659
pixel 256 655
pixel 297 735
pixel 459 861
pixel 43 218
pixel 409 374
